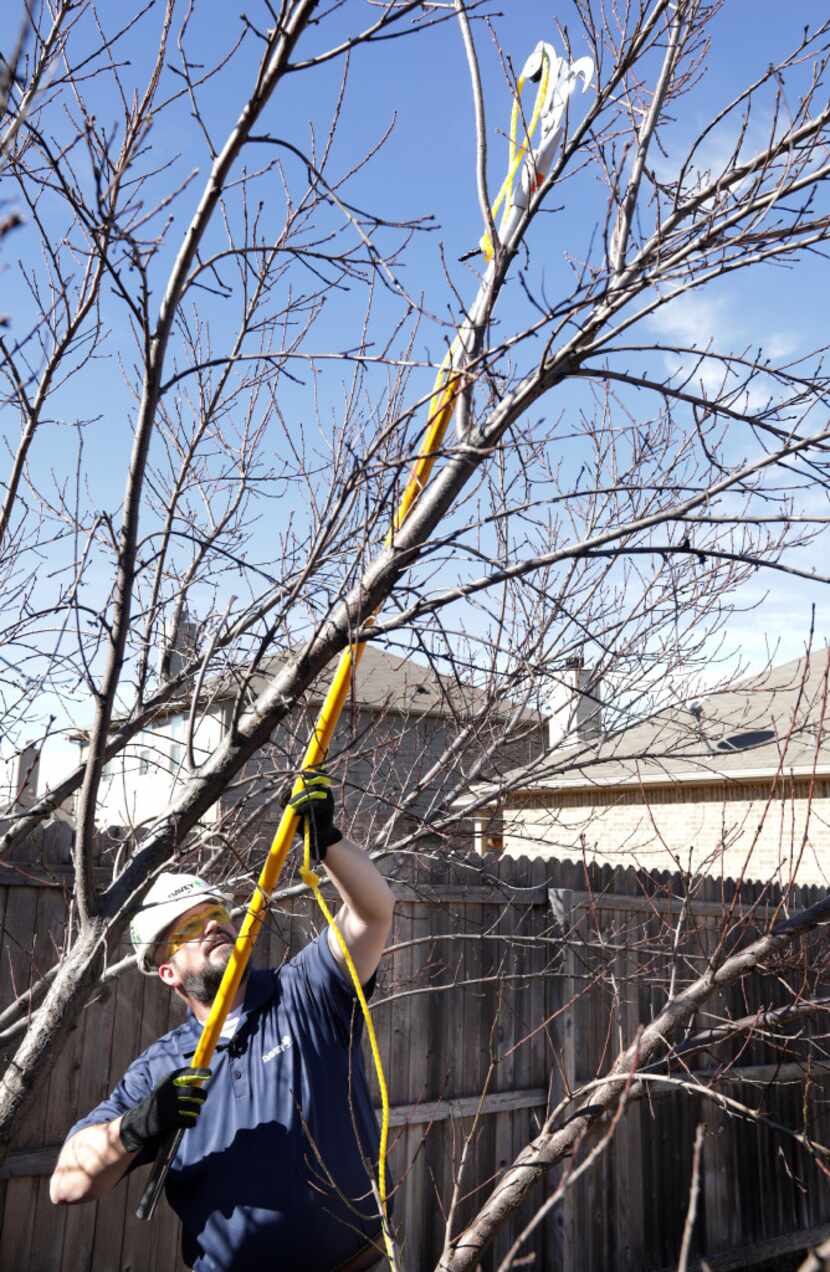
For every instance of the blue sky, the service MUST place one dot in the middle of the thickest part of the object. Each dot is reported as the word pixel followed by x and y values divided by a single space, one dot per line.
pixel 419 87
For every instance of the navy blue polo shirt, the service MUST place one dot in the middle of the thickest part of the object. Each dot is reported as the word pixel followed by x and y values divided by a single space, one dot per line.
pixel 275 1172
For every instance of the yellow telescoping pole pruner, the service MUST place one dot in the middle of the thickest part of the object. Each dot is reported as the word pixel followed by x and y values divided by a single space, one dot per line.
pixel 555 78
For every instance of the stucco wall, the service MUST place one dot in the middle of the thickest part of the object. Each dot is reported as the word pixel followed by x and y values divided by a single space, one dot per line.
pixel 717 829
pixel 137 785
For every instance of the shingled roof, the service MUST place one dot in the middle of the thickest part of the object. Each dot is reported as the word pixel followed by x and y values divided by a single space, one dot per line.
pixel 774 722
pixel 384 681
pixel 388 681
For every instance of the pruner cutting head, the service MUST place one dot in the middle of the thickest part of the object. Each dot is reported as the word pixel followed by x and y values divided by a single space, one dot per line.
pixel 583 68
pixel 562 79
pixel 533 68
pixel 556 79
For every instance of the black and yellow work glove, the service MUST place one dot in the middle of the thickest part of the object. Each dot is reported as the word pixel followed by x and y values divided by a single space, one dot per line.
pixel 173 1105
pixel 315 806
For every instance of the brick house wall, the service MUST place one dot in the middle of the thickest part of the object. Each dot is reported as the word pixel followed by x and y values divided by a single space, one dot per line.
pixel 762 830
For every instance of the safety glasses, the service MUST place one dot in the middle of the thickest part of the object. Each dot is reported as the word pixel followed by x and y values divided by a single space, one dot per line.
pixel 191 929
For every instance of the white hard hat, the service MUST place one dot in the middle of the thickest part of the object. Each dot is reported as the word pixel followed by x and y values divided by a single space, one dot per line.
pixel 170 896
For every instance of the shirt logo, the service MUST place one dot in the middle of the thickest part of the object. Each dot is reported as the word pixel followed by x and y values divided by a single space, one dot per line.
pixel 283 1045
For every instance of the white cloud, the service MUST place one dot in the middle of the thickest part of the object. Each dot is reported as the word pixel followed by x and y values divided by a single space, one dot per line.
pixel 704 322
pixel 781 345
pixel 731 142
pixel 693 319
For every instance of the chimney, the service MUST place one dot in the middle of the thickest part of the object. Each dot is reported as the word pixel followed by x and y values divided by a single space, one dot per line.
pixel 575 706
pixel 173 657
pixel 26 771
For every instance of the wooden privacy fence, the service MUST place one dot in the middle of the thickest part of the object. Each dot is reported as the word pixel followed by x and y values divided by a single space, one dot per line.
pixel 506 983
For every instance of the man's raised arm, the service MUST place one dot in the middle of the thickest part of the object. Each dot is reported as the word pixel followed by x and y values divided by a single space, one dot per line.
pixel 365 917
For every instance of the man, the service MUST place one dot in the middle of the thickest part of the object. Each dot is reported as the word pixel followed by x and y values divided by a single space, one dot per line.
pixel 276 1167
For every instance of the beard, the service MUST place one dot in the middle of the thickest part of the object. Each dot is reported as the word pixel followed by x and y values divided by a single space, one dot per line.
pixel 202 986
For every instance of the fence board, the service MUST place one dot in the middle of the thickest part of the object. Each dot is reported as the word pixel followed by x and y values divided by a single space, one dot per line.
pixel 113 1218
pixel 627 1146
pixel 564 915
pixel 505 1076
pixel 25 1192
pixel 398 1027
pixel 468 1073
pixel 528 1012
pixel 440 1140
pixel 415 1204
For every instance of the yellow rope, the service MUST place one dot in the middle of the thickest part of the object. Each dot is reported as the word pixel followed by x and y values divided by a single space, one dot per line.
pixel 517 154
pixel 441 406
pixel 312 881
